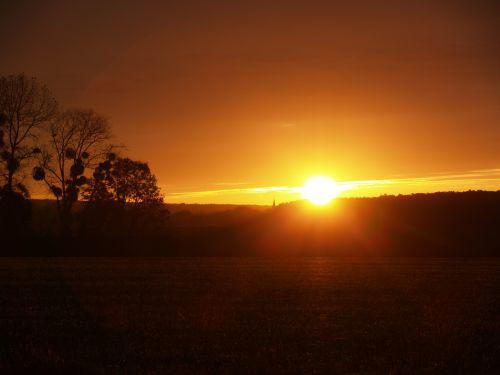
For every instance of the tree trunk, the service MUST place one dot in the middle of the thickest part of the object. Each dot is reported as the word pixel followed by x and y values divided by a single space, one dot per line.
pixel 10 179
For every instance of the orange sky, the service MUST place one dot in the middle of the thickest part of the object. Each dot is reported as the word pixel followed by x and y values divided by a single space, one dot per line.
pixel 223 97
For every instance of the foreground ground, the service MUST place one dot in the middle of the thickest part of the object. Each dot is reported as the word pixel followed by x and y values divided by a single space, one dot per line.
pixel 250 315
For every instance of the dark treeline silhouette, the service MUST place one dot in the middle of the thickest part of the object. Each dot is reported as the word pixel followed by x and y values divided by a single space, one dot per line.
pixel 107 204
pixel 438 224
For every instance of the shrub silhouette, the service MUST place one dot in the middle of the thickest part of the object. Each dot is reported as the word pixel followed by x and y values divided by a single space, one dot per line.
pixel 15 218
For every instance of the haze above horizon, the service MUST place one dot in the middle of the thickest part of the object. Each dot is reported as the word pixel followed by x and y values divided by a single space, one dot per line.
pixel 241 103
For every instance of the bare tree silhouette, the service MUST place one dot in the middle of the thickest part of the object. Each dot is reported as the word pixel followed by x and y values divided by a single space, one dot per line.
pixel 77 141
pixel 26 106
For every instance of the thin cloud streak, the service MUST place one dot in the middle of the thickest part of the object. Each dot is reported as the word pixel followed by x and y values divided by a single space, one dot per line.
pixel 476 179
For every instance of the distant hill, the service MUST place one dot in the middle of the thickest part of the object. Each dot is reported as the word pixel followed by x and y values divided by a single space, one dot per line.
pixel 204 209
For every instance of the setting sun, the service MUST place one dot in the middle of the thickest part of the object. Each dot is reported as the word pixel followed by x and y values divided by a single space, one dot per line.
pixel 320 190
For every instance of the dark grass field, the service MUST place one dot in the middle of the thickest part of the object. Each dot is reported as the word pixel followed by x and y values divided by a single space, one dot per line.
pixel 156 315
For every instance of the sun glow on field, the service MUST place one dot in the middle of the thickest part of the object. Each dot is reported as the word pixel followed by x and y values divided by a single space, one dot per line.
pixel 320 190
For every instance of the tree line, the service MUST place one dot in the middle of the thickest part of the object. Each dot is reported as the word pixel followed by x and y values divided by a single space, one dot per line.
pixel 70 152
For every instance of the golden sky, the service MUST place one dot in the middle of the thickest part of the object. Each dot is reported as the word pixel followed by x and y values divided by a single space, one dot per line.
pixel 225 97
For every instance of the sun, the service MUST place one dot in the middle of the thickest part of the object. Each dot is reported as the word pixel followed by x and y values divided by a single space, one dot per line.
pixel 320 190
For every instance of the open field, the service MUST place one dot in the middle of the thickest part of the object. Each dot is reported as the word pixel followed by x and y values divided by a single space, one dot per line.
pixel 250 314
